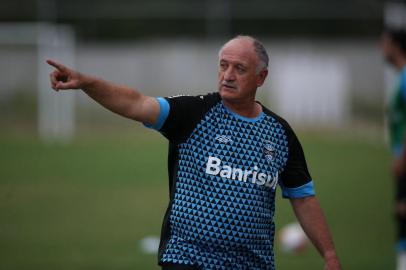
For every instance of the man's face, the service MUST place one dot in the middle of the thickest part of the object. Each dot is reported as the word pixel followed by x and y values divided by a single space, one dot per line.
pixel 388 48
pixel 237 77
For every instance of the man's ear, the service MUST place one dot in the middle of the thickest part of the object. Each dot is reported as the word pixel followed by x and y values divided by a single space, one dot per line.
pixel 261 77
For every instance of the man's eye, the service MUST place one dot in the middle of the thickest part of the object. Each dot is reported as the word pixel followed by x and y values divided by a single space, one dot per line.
pixel 241 69
pixel 223 66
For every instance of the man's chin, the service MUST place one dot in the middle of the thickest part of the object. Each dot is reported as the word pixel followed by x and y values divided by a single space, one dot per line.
pixel 228 92
pixel 225 94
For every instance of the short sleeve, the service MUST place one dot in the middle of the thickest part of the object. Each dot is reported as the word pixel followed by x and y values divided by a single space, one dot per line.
pixel 163 114
pixel 296 181
pixel 179 115
pixel 403 83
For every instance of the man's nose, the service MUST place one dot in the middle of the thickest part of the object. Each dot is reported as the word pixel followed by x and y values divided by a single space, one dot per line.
pixel 229 74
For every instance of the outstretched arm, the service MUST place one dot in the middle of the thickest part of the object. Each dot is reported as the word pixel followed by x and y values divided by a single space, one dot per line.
pixel 119 99
pixel 311 218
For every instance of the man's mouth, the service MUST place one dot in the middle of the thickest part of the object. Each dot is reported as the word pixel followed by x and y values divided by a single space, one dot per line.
pixel 229 85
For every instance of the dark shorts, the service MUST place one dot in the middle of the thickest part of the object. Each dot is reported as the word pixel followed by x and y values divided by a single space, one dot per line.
pixel 401 188
pixel 170 266
pixel 400 192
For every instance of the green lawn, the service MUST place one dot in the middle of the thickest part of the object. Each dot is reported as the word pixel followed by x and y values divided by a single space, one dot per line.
pixel 86 204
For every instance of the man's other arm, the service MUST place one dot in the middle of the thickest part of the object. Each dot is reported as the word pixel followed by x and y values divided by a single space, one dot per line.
pixel 312 220
pixel 119 99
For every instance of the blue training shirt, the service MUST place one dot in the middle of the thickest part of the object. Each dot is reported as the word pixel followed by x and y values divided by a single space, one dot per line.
pixel 223 172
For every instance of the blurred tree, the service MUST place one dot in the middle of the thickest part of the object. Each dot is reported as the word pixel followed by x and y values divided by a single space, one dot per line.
pixel 129 19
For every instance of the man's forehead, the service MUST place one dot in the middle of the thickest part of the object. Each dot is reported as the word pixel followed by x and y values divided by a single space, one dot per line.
pixel 238 50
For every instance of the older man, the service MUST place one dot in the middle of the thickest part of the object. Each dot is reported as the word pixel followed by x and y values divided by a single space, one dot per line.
pixel 227 153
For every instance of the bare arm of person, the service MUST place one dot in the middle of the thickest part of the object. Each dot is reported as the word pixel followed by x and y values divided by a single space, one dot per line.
pixel 123 100
pixel 312 220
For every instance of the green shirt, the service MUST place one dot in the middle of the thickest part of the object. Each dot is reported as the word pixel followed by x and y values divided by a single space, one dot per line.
pixel 397 114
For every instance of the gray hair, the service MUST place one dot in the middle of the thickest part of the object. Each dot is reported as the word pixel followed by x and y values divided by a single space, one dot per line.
pixel 259 48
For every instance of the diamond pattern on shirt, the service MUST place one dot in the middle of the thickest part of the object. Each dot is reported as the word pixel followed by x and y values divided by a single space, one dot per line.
pixel 218 222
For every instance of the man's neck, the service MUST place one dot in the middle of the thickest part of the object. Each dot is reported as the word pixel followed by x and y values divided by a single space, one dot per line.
pixel 249 109
pixel 401 63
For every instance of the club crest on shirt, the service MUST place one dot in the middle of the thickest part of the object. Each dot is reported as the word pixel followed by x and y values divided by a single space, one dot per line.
pixel 269 151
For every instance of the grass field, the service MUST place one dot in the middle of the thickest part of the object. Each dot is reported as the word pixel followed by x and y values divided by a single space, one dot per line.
pixel 87 204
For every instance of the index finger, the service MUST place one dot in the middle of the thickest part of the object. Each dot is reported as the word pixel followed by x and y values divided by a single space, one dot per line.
pixel 57 65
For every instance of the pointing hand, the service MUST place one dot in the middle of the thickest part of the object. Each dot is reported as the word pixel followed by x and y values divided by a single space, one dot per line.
pixel 63 78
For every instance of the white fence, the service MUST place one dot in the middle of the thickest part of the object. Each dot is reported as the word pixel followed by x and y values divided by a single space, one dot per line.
pixel 312 82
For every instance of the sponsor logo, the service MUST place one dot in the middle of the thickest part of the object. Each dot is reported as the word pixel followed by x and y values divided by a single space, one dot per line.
pixel 216 166
pixel 223 139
